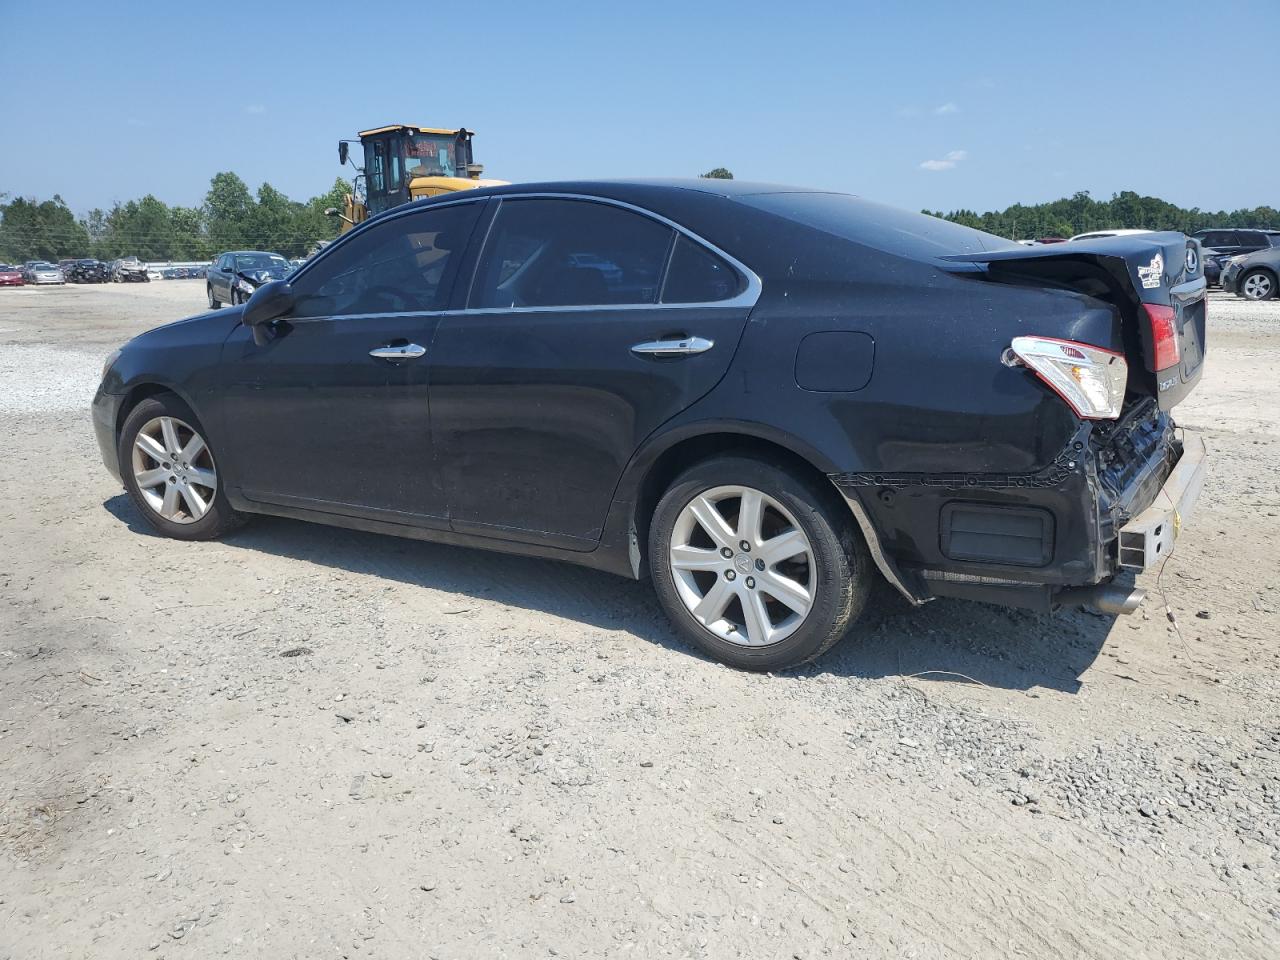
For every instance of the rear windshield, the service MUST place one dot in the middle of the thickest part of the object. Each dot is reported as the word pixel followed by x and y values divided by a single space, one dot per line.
pixel 884 228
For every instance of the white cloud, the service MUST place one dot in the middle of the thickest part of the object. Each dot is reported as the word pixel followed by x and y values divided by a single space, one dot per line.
pixel 946 108
pixel 255 108
pixel 946 163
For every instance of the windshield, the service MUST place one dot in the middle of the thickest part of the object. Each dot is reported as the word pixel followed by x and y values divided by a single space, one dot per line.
pixel 261 261
pixel 431 155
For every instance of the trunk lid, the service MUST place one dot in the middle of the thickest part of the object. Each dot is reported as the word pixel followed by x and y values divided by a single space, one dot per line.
pixel 1156 282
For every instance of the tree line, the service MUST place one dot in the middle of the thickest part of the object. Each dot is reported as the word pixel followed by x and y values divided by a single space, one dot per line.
pixel 231 218
pixel 1080 213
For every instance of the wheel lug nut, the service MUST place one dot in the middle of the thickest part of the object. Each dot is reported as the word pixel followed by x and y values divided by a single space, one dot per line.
pixel 173 479
pixel 746 547
pixel 730 575
pixel 726 552
pixel 751 583
pixel 760 565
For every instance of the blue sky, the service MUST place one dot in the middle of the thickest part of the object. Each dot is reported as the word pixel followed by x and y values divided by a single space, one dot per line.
pixel 926 104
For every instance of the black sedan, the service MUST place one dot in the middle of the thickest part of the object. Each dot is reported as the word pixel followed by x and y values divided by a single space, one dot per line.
pixel 770 398
pixel 233 277
pixel 89 271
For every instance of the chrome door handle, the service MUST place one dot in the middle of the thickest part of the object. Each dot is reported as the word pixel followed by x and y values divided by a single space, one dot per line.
pixel 673 348
pixel 406 351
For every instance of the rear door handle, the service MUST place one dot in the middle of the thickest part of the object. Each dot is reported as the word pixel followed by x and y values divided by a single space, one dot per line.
pixel 683 347
pixel 405 351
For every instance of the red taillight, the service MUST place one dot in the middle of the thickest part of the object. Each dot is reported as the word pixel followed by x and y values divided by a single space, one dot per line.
pixel 1164 334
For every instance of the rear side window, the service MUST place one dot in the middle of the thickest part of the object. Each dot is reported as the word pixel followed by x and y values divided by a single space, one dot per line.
pixel 401 265
pixel 1217 238
pixel 566 253
pixel 1251 240
pixel 697 275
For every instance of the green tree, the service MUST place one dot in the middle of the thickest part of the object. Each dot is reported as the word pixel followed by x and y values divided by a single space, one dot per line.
pixel 719 173
pixel 228 210
pixel 31 230
pixel 1080 213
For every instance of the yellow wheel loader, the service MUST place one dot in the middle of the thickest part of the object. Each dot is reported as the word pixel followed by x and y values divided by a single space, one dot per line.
pixel 403 163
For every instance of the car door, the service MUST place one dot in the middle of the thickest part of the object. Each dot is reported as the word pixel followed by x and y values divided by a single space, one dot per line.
pixel 569 353
pixel 331 413
pixel 218 280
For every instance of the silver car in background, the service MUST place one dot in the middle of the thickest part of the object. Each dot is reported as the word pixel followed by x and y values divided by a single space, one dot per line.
pixel 45 273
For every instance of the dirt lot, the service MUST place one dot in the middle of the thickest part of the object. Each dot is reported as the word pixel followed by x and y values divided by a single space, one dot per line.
pixel 305 742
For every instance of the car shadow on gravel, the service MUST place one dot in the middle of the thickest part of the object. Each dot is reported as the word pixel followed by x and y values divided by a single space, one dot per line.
pixel 950 641
pixel 961 641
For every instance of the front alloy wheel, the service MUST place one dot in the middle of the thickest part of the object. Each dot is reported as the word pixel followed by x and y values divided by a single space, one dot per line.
pixel 174 470
pixel 170 472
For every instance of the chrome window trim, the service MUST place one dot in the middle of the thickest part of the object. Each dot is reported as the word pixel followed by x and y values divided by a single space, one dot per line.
pixel 747 298
pixel 409 208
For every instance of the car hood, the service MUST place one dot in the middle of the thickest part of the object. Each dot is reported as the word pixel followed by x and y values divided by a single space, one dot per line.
pixel 262 275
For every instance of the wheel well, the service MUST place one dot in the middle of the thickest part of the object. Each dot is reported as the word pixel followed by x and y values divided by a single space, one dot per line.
pixel 134 397
pixel 683 455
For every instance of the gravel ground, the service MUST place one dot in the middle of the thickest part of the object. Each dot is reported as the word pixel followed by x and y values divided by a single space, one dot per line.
pixel 308 742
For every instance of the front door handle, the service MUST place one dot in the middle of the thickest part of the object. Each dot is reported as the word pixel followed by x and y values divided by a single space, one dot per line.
pixel 404 351
pixel 683 347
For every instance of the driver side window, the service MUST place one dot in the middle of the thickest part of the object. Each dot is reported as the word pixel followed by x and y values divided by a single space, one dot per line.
pixel 401 265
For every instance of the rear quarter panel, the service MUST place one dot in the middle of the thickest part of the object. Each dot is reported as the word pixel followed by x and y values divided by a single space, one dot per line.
pixel 938 399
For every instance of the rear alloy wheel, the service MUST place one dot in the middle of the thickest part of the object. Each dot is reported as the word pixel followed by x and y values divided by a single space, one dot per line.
pixel 170 473
pixel 213 304
pixel 753 566
pixel 1258 285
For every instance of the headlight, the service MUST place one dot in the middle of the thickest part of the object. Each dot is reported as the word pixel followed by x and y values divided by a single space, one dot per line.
pixel 244 286
pixel 1240 258
pixel 111 359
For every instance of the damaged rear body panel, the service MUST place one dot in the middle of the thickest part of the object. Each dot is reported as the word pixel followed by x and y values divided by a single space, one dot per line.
pixel 1144 277
pixel 1051 534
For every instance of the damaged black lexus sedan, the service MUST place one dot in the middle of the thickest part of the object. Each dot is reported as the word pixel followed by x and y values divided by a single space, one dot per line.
pixel 763 398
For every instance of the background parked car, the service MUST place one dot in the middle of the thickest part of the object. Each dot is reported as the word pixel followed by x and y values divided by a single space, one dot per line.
pixel 234 276
pixel 129 270
pixel 1221 245
pixel 88 271
pixel 10 276
pixel 1254 276
pixel 44 273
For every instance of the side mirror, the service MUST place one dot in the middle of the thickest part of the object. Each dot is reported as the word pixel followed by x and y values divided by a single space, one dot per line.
pixel 269 302
pixel 342 153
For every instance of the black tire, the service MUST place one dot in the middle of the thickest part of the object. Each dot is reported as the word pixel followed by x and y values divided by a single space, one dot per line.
pixel 213 303
pixel 220 517
pixel 1263 275
pixel 844 572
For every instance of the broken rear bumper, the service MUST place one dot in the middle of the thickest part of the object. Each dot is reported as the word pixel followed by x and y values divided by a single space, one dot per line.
pixel 1148 538
pixel 1040 540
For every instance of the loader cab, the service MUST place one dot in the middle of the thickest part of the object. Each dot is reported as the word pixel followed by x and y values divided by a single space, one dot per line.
pixel 403 163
